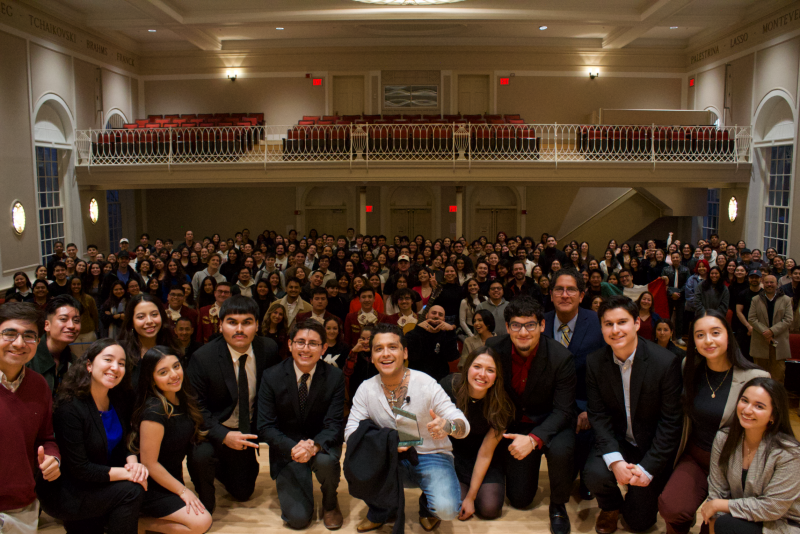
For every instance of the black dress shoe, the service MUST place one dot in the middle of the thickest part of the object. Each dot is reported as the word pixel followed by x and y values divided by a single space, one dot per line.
pixel 584 492
pixel 559 520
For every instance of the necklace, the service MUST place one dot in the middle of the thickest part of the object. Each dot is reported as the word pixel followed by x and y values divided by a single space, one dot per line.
pixel 392 392
pixel 714 391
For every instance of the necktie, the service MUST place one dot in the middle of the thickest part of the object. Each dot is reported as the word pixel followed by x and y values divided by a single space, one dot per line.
pixel 244 397
pixel 302 391
pixel 565 334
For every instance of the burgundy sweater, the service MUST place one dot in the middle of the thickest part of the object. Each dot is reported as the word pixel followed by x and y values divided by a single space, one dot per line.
pixel 26 422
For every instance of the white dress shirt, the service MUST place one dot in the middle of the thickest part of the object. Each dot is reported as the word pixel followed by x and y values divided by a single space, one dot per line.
pixel 250 369
pixel 625 369
pixel 299 374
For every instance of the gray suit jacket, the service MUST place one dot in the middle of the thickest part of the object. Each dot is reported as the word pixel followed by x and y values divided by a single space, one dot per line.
pixel 781 321
pixel 771 490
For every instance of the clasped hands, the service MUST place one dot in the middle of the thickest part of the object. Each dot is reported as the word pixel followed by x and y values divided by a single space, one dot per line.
pixel 629 474
pixel 304 451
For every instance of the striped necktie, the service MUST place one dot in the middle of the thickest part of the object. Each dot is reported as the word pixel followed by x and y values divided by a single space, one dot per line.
pixel 565 334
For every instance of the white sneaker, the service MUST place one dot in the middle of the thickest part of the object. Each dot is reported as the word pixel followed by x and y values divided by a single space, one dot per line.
pixel 679 342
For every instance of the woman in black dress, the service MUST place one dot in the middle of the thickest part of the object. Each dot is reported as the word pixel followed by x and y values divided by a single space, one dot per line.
pixel 165 426
pixel 478 392
pixel 337 351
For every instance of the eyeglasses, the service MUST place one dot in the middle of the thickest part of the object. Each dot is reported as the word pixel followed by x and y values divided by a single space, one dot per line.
pixel 313 345
pixel 11 336
pixel 530 327
pixel 571 291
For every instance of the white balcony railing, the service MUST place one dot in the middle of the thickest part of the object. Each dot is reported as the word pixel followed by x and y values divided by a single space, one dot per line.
pixel 449 144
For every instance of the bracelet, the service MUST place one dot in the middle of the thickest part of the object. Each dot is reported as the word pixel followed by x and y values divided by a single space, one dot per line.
pixel 184 491
pixel 533 442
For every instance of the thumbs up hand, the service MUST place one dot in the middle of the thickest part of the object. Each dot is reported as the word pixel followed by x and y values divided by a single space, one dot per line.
pixel 436 428
pixel 48 465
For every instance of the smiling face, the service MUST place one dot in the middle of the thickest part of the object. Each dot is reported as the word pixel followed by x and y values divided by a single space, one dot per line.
pixel 108 367
pixel 307 355
pixel 754 409
pixel 147 319
pixel 663 333
pixel 711 339
pixel 168 375
pixel 388 355
pixel 620 331
pixel 64 325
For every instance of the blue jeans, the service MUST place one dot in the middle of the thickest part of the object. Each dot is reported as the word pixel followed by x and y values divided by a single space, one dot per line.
pixel 441 492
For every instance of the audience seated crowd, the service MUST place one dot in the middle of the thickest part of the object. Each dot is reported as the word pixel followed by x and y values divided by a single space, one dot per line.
pixel 447 365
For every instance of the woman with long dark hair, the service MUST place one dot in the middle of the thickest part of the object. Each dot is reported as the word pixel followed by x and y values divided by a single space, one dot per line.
pixel 477 390
pixel 647 316
pixel 230 269
pixel 610 264
pixel 472 297
pixel 337 351
pixel 713 375
pixel 701 268
pixel 638 272
pixel 712 293
pixel 41 293
pixel 263 297
pixel 483 324
pixel 93 282
pixel 174 275
pixel 102 483
pixel 166 424
pixel 207 288
pixel 112 312
pixel 755 466
pixel 664 333
pixel 145 325
pixel 275 326
pixel 90 318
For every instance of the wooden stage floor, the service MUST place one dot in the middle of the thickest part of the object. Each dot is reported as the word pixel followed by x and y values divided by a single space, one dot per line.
pixel 262 514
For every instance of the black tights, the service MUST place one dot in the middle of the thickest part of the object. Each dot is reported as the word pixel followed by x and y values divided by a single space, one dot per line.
pixel 489 502
pixel 727 524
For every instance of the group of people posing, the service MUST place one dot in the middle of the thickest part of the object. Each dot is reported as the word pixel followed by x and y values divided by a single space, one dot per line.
pixel 449 368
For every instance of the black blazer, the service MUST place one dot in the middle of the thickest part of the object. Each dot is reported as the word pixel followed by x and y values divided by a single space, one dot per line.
pixel 656 412
pixel 549 396
pixel 586 339
pixel 81 438
pixel 279 421
pixel 214 380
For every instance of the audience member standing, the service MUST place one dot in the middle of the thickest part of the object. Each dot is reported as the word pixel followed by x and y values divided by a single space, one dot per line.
pixel 62 325
pixel 771 316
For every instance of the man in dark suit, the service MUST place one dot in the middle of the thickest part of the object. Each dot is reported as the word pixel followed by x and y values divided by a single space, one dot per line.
pixel 301 417
pixel 319 309
pixel 634 389
pixel 579 331
pixel 675 278
pixel 224 374
pixel 539 376
pixel 522 284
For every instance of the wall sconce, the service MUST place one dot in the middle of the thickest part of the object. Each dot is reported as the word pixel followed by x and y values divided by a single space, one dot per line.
pixel 232 75
pixel 594 72
pixel 94 211
pixel 18 217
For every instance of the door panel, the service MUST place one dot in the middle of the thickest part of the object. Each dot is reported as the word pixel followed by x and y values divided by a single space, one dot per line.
pixel 473 94
pixel 484 224
pixel 506 221
pixel 348 95
pixel 326 221
pixel 400 218
pixel 423 222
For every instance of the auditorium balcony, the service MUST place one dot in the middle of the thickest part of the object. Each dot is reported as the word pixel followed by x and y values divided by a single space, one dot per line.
pixel 350 150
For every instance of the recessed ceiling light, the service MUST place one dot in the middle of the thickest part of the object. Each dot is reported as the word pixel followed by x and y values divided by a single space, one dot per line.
pixel 542 27
pixel 278 28
pixel 152 31
pixel 673 27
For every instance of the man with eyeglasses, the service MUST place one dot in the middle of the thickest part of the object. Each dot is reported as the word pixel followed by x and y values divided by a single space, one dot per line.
pixel 225 375
pixel 26 407
pixel 496 305
pixel 208 318
pixel 301 418
pixel 62 326
pixel 539 377
pixel 578 330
